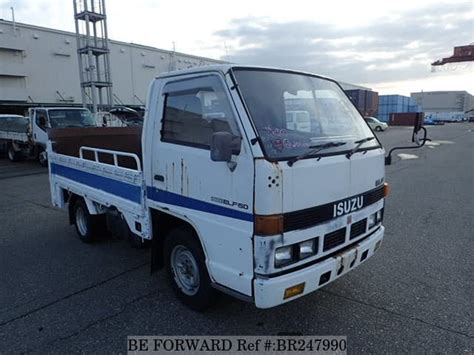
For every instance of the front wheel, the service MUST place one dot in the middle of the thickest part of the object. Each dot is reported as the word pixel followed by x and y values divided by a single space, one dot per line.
pixel 187 271
pixel 12 154
pixel 378 129
pixel 43 158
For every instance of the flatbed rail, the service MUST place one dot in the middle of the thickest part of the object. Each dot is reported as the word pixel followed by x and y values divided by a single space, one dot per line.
pixel 102 184
pixel 114 153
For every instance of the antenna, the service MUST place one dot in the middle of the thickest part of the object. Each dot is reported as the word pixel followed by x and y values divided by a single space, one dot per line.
pixel 172 63
pixel 226 52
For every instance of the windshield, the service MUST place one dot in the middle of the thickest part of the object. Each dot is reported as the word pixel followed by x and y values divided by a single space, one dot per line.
pixel 71 118
pixel 293 112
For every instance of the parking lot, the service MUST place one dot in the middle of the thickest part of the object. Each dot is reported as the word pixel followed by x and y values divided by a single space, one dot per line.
pixel 416 295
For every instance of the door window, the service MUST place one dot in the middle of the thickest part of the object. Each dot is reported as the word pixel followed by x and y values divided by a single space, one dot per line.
pixel 195 109
pixel 41 119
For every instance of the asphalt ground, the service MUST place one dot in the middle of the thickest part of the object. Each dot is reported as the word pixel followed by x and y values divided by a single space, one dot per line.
pixel 58 295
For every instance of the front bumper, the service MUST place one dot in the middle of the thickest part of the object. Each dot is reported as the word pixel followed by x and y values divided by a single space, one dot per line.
pixel 269 292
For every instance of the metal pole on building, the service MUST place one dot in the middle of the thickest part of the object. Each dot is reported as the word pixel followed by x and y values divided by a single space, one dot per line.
pixel 13 20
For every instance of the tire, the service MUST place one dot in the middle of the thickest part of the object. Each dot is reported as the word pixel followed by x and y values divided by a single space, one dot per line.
pixel 378 129
pixel 12 154
pixel 88 227
pixel 43 158
pixel 186 269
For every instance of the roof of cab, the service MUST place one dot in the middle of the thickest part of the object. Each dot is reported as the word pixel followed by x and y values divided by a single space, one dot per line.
pixel 224 68
pixel 58 108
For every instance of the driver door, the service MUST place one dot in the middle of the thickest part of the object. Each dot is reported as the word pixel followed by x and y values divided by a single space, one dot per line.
pixel 40 135
pixel 216 199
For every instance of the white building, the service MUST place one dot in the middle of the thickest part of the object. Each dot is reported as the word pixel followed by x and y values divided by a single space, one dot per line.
pixel 39 66
pixel 444 105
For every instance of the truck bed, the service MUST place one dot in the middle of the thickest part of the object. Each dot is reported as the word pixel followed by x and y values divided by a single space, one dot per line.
pixel 102 176
pixel 16 136
pixel 68 141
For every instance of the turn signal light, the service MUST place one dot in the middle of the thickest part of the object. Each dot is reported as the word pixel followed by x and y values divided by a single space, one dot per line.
pixel 269 225
pixel 294 291
pixel 386 189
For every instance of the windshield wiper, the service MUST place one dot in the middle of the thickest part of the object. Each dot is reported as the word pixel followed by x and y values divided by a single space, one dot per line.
pixel 357 147
pixel 315 149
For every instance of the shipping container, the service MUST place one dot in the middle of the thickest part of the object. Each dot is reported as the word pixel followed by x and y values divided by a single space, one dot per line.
pixel 366 101
pixel 464 51
pixel 395 104
pixel 404 118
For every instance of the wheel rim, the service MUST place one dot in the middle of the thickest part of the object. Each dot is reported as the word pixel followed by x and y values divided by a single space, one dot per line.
pixel 81 221
pixel 185 270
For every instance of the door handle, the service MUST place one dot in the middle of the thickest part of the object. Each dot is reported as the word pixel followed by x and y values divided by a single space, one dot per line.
pixel 159 177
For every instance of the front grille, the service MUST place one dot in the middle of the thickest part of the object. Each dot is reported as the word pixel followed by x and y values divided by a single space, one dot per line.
pixel 312 216
pixel 306 218
pixel 333 239
pixel 358 228
pixel 374 196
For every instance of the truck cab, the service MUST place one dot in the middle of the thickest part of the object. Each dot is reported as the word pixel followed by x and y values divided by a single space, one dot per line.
pixel 275 207
pixel 44 118
pixel 236 197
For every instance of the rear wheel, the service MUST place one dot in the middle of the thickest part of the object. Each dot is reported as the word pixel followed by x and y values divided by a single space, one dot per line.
pixel 88 227
pixel 187 271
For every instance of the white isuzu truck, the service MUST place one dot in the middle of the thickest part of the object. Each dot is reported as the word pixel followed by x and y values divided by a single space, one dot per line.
pixel 26 137
pixel 233 196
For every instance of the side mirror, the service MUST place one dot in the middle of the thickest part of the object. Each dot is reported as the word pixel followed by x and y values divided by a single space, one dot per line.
pixel 223 145
pixel 420 142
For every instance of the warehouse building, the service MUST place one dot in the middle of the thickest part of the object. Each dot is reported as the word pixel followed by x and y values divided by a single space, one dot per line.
pixel 395 104
pixel 39 66
pixel 445 105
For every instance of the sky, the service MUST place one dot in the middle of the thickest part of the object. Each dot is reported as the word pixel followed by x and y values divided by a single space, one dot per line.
pixel 385 45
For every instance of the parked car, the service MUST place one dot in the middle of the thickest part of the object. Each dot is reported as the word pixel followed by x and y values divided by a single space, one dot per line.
pixel 431 122
pixel 375 124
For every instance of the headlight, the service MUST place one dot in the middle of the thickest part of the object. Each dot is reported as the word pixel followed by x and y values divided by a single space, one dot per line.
pixel 379 216
pixel 307 248
pixel 283 255
pixel 372 220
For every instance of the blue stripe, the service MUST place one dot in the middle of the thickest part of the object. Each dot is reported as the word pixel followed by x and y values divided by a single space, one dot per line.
pixel 188 202
pixel 133 193
pixel 122 189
